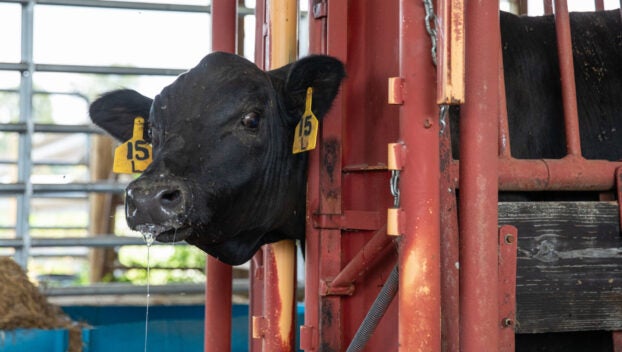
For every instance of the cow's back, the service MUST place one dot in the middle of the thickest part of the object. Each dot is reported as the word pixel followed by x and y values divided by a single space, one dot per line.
pixel 533 90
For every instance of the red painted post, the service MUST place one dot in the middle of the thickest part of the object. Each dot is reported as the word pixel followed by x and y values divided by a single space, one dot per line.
pixel 479 312
pixel 508 240
pixel 419 321
pixel 256 277
pixel 279 259
pixel 218 280
pixel 566 71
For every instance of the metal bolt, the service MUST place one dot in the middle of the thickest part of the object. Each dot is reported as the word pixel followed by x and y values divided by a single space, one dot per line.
pixel 507 322
pixel 427 123
pixel 509 238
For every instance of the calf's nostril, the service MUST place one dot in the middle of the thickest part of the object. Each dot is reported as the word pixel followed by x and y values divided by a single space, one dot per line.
pixel 170 197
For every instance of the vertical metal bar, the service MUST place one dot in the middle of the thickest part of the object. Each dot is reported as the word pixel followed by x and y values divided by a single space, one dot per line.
pixel 566 70
pixel 548 7
pixel 450 68
pixel 280 258
pixel 310 332
pixel 505 150
pixel 508 240
pixel 218 278
pixel 478 181
pixel 450 242
pixel 419 259
pixel 257 282
pixel 330 179
pixel 599 5
pixel 279 299
pixel 25 139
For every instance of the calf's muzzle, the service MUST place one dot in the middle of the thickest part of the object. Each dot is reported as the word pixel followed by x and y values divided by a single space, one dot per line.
pixel 161 202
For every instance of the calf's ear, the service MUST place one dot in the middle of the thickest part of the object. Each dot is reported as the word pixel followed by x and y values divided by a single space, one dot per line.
pixel 323 73
pixel 115 112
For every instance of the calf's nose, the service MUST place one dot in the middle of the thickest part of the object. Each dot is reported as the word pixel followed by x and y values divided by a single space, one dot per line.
pixel 156 202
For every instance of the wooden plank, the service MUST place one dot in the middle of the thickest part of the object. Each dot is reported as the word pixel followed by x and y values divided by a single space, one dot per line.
pixel 569 265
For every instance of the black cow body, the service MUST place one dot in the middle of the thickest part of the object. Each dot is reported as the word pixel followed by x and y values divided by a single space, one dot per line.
pixel 223 176
pixel 533 91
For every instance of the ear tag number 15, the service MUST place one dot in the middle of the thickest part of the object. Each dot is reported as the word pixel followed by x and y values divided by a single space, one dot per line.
pixel 305 136
pixel 134 155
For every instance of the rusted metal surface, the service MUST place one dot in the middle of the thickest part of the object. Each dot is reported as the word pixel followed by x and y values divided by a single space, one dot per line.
pixel 218 278
pixel 566 174
pixel 323 313
pixel 256 277
pixel 450 68
pixel 374 250
pixel 279 300
pixel 419 259
pixel 505 150
pixel 479 181
pixel 450 265
pixel 218 291
pixel 256 299
pixel 569 173
pixel 350 220
pixel 508 244
pixel 617 341
pixel 279 261
pixel 566 68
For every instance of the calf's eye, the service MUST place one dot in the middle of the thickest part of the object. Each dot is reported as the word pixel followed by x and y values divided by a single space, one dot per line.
pixel 250 120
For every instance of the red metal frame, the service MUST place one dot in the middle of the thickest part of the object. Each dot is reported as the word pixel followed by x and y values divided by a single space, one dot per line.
pixel 347 255
pixel 508 244
pixel 419 262
pixel 218 278
pixel 478 182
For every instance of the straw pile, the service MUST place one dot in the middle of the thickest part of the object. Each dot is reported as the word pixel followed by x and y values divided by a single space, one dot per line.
pixel 22 306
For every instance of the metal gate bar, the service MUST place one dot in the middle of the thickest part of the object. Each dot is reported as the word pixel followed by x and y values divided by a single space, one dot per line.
pixel 218 278
pixel 479 327
pixel 419 258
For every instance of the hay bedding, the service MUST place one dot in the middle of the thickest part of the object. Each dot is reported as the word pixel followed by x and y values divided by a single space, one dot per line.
pixel 22 306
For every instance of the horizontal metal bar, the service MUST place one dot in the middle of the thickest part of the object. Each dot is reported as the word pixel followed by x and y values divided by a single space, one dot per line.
pixel 47 163
pixel 109 70
pixel 125 289
pixel 124 5
pixel 128 5
pixel 570 173
pixel 92 241
pixel 39 189
pixel 64 228
pixel 50 128
pixel 13 66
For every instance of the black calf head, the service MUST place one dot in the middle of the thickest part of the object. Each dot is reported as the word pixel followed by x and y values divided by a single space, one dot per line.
pixel 223 176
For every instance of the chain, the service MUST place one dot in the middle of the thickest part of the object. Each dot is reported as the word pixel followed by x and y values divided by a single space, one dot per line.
pixel 444 109
pixel 395 187
pixel 430 25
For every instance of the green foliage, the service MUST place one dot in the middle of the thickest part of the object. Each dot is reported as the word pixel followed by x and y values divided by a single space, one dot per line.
pixel 168 264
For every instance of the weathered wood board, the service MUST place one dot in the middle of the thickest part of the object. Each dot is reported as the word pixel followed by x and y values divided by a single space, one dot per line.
pixel 569 265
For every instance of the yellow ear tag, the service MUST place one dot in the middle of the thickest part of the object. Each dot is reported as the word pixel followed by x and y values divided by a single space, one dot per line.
pixel 134 155
pixel 305 136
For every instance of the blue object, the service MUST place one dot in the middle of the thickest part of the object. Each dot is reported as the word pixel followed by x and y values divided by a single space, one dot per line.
pixel 122 328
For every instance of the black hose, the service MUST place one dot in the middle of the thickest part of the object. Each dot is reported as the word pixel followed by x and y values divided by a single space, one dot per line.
pixel 375 313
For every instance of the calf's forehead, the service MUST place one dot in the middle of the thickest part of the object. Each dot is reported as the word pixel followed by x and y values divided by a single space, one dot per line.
pixel 217 77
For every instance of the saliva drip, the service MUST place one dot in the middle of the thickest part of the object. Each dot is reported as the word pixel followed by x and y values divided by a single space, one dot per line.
pixel 149 238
